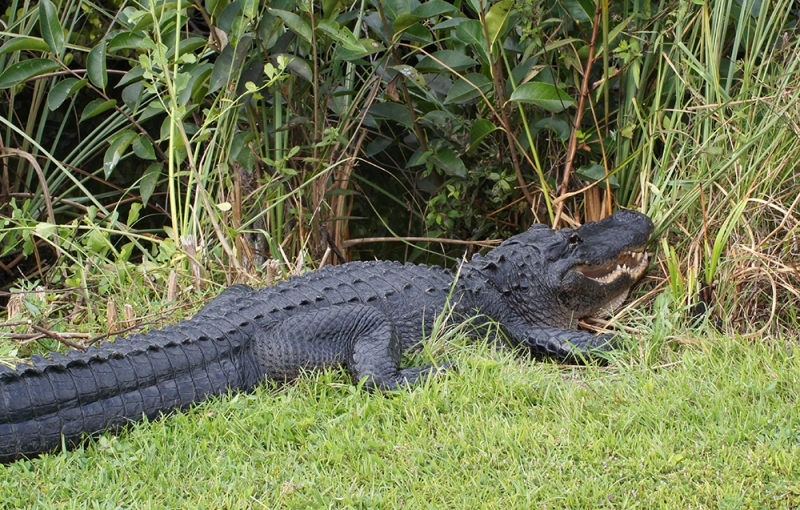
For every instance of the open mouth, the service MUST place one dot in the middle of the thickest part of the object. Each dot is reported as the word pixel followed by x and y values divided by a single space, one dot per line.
pixel 631 263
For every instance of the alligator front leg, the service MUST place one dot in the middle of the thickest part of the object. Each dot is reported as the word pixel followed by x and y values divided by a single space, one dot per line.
pixel 359 337
pixel 565 344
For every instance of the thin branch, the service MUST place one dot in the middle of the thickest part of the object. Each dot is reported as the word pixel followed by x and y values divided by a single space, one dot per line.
pixel 573 139
pixel 56 336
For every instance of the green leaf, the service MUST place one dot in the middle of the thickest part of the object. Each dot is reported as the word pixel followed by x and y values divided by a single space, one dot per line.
pixel 449 163
pixel 377 146
pixel 96 66
pixel 132 96
pixel 392 111
pixel 97 107
pixel 45 230
pixel 433 8
pixel 543 95
pixel 116 150
pixel 63 90
pixel 294 22
pixel 126 40
pixel 133 75
pixel 468 87
pixel 411 74
pixel 96 242
pixel 228 62
pixel 200 72
pixel 471 32
pixel 143 148
pixel 25 70
pixel 133 214
pixel 296 65
pixel 559 126
pixel 481 128
pixel 50 27
pixel 149 180
pixel 24 44
pixel 445 60
pixel 596 173
pixel 341 34
pixel 583 12
pixel 496 19
pixel 404 22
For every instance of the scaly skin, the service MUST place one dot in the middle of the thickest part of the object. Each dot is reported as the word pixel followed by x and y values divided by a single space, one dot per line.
pixel 361 315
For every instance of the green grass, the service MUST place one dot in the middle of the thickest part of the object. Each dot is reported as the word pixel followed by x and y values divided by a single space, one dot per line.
pixel 715 424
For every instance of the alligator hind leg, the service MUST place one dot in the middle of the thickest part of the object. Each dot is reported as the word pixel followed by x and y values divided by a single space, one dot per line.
pixel 359 337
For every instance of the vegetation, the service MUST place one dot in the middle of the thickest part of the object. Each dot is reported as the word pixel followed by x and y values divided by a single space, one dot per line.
pixel 153 152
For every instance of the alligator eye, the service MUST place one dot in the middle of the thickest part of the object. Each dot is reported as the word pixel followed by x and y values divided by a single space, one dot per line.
pixel 573 239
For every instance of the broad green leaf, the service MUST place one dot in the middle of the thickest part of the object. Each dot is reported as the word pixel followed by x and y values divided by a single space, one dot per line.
pixel 450 23
pixel 377 146
pixel 149 180
pixel 24 44
pixel 481 128
pixel 228 62
pixel 250 8
pixel 471 32
pixel 496 19
pixel 433 8
pixel 445 60
pixel 392 111
pixel 411 74
pixel 341 34
pixel 468 87
pixel 45 230
pixel 96 242
pixel 559 126
pixel 294 22
pixel 25 70
pixel 404 22
pixel 418 33
pixel 132 96
pixel 189 45
pixel 582 11
pixel 297 65
pixel 97 107
pixel 63 90
pixel 543 95
pixel 143 148
pixel 96 65
pixel 116 150
pixel 229 14
pixel 199 72
pixel 126 40
pixel 133 75
pixel 450 164
pixel 50 27
pixel 595 173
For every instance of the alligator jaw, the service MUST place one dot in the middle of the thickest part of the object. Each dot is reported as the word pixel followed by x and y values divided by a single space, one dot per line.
pixel 630 263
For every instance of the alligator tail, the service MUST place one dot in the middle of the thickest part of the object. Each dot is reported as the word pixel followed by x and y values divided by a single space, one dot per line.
pixel 62 399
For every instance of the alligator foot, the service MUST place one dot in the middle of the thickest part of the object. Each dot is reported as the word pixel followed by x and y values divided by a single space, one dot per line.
pixel 569 345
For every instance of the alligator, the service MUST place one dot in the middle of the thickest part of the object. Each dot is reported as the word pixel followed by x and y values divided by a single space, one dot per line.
pixel 360 315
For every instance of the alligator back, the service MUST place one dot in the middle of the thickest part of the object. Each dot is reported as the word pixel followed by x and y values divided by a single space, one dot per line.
pixel 106 387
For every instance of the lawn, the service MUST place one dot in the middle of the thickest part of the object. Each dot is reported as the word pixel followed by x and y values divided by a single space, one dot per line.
pixel 714 424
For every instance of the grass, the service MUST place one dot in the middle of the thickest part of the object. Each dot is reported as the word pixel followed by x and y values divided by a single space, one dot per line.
pixel 715 424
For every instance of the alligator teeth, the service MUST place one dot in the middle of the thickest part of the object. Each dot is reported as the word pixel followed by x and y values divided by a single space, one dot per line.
pixel 630 263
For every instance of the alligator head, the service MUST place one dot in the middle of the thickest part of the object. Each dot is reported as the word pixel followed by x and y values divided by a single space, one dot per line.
pixel 601 261
pixel 553 277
